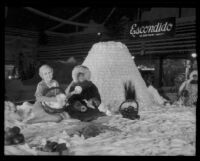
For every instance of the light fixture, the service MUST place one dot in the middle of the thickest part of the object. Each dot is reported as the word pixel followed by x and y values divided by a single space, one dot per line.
pixel 9 77
pixel 133 57
pixel 98 33
pixel 194 55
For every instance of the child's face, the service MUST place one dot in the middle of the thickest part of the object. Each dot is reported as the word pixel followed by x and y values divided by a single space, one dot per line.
pixel 195 77
pixel 81 78
pixel 47 74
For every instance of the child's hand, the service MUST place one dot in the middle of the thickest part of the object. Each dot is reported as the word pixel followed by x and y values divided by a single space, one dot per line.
pixel 78 90
pixel 89 103
pixel 61 99
pixel 74 92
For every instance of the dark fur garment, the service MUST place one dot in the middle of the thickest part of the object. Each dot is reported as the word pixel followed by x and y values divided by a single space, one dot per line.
pixel 89 92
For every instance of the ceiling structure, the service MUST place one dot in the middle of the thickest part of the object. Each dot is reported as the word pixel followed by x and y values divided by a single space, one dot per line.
pixel 64 19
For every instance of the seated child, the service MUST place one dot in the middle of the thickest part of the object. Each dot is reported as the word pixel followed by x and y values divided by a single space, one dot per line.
pixel 87 91
pixel 188 91
pixel 83 96
pixel 38 113
pixel 82 86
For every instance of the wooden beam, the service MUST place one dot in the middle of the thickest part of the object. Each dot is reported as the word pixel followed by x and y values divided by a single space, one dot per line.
pixel 171 47
pixel 70 19
pixel 186 19
pixel 51 33
pixel 55 18
pixel 158 72
pixel 111 12
pixel 171 51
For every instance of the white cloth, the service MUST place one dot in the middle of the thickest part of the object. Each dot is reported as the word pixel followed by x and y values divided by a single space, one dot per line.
pixel 183 85
pixel 155 95
pixel 104 109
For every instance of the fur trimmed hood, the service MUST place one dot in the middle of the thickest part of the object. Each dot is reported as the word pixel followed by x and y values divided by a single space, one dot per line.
pixel 194 72
pixel 81 69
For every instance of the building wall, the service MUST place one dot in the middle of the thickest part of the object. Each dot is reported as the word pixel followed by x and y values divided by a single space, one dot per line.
pixel 175 66
pixel 18 45
pixel 187 12
pixel 19 41
pixel 21 53
pixel 159 13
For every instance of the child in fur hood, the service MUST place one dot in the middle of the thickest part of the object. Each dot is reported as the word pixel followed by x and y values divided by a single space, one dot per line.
pixel 83 95
pixel 81 84
pixel 188 91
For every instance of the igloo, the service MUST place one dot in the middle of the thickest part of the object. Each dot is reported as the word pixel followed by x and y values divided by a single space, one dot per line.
pixel 111 66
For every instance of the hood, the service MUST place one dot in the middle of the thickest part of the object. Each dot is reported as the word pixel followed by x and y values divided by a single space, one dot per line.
pixel 81 69
pixel 194 72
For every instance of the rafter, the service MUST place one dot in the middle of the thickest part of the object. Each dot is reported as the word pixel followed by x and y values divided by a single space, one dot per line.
pixel 111 12
pixel 69 19
pixel 55 18
pixel 62 34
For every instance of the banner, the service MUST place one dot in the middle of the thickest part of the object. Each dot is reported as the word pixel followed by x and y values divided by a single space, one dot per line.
pixel 151 29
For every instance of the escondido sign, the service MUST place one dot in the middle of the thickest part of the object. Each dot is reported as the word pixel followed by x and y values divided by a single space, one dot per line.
pixel 155 28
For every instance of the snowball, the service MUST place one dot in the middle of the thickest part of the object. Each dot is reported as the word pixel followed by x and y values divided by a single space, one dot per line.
pixel 78 89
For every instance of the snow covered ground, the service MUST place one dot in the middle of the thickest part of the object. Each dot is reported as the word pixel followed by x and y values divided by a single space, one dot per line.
pixel 162 131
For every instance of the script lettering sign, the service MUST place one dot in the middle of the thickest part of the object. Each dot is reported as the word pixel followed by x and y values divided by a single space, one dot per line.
pixel 157 28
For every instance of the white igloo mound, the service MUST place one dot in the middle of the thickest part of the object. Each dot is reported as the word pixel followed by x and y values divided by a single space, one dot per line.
pixel 111 66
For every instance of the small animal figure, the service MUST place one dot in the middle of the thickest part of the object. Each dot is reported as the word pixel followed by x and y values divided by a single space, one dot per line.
pixel 130 107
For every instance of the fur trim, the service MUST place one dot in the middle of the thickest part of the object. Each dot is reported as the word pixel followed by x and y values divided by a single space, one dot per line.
pixel 81 69
pixel 194 72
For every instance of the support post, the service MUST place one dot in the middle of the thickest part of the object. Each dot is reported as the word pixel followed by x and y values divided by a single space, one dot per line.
pixel 6 12
pixel 158 72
